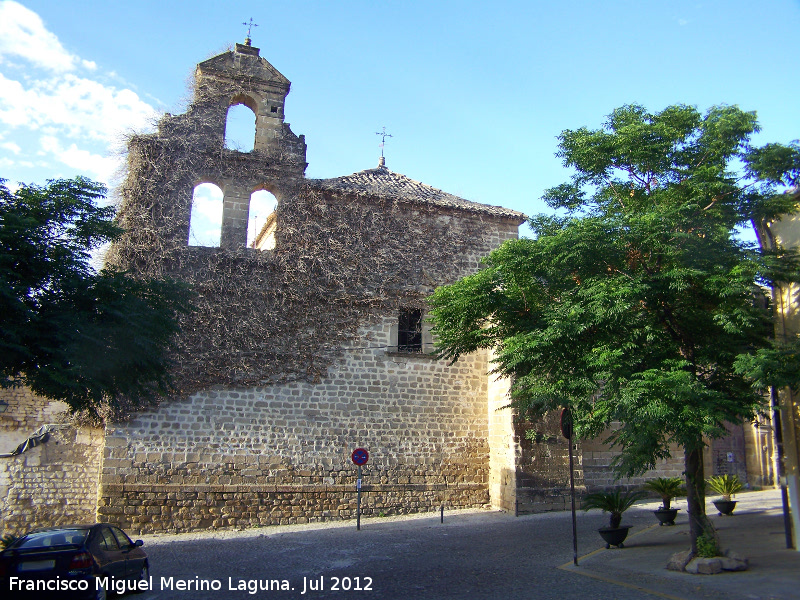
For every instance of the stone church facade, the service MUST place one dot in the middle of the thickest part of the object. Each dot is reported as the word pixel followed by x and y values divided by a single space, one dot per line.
pixel 300 349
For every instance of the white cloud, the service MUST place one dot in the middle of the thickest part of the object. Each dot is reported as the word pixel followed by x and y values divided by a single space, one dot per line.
pixel 58 105
pixel 23 34
pixel 206 217
pixel 262 203
pixel 101 168
pixel 11 147
pixel 11 186
pixel 207 202
pixel 75 105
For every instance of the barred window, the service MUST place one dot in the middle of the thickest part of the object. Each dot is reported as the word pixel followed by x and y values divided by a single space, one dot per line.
pixel 409 331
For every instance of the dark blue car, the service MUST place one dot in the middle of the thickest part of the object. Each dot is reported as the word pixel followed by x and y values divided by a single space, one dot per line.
pixel 75 561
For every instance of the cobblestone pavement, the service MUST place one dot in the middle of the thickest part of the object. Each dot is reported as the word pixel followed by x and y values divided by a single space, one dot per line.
pixel 476 555
pixel 472 555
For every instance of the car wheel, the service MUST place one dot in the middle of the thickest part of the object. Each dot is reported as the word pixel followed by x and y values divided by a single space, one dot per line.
pixel 100 594
pixel 144 574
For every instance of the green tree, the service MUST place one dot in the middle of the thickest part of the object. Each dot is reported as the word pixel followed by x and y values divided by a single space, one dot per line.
pixel 99 341
pixel 634 304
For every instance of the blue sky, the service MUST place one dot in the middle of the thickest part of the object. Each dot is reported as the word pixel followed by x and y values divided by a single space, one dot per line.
pixel 473 93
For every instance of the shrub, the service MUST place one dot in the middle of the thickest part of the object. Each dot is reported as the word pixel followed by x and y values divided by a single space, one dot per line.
pixel 666 487
pixel 707 546
pixel 614 502
pixel 725 485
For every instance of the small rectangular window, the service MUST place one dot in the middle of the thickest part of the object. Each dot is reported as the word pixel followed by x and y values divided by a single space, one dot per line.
pixel 409 331
pixel 274 109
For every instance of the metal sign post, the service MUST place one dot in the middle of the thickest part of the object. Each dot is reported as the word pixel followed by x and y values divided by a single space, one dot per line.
pixel 566 431
pixel 358 502
pixel 359 457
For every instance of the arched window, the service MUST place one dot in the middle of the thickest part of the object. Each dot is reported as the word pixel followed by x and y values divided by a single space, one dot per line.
pixel 262 224
pixel 205 224
pixel 240 128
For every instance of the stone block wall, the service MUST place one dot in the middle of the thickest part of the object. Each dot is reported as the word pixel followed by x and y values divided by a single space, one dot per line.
pixel 599 475
pixel 728 453
pixel 746 450
pixel 24 415
pixel 503 445
pixel 54 483
pixel 543 478
pixel 760 453
pixel 281 454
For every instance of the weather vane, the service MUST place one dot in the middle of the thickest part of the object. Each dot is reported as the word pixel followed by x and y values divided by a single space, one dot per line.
pixel 250 26
pixel 383 135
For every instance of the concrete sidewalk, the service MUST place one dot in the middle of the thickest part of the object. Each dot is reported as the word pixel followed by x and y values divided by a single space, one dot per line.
pixel 755 531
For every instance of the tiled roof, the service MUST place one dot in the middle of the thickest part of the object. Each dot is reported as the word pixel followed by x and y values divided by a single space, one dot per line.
pixel 383 183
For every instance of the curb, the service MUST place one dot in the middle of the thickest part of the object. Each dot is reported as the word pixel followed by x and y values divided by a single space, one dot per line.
pixel 571 568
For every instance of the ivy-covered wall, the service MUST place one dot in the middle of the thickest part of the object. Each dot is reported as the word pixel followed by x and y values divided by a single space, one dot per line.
pixel 287 361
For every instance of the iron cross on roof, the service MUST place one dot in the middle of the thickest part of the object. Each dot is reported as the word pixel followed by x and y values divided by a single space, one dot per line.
pixel 250 25
pixel 383 135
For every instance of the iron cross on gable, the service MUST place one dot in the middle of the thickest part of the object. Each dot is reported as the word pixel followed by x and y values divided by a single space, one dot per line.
pixel 383 135
pixel 250 26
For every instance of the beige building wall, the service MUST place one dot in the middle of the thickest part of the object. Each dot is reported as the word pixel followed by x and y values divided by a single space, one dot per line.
pixel 54 483
pixel 760 453
pixel 503 446
pixel 786 297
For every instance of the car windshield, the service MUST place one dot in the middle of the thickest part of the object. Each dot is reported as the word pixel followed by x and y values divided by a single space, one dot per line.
pixel 53 537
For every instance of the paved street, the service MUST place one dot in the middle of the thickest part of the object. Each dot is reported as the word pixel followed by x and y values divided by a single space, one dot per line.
pixel 477 555
pixel 472 555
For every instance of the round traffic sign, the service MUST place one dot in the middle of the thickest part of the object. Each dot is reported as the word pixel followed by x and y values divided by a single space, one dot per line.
pixel 360 456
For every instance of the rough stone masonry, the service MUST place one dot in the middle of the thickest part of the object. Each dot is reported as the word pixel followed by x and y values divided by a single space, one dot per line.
pixel 291 358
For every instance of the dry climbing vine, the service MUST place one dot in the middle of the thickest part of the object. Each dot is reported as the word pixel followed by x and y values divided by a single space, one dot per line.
pixel 285 314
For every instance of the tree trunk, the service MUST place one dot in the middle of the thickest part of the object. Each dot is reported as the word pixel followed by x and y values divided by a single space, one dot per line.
pixel 695 493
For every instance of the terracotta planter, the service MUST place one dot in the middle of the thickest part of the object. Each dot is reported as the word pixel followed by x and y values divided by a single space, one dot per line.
pixel 725 507
pixel 666 516
pixel 614 536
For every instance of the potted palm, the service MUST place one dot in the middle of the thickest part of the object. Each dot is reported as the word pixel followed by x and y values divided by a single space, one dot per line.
pixel 668 488
pixel 726 486
pixel 614 503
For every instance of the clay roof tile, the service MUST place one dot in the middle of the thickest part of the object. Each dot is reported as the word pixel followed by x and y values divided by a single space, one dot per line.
pixel 383 183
